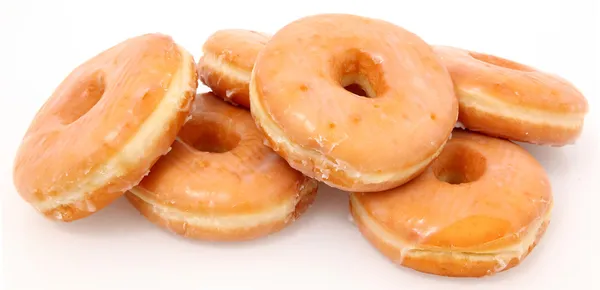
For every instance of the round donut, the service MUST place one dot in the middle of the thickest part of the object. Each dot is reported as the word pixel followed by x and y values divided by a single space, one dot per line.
pixel 479 209
pixel 227 62
pixel 104 126
pixel 352 142
pixel 502 98
pixel 220 182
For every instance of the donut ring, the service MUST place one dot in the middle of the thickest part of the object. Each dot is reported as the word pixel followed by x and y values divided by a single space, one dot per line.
pixel 236 188
pixel 105 126
pixel 227 62
pixel 502 98
pixel 347 141
pixel 479 209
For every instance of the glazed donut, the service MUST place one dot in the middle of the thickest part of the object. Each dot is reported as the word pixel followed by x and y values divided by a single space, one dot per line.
pixel 227 62
pixel 104 127
pixel 348 141
pixel 220 182
pixel 479 209
pixel 502 98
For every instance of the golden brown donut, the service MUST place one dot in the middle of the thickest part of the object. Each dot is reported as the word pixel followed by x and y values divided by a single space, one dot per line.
pixel 479 209
pixel 227 62
pixel 220 182
pixel 502 98
pixel 105 126
pixel 348 141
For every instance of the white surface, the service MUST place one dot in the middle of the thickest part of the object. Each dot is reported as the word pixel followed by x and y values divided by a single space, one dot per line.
pixel 116 248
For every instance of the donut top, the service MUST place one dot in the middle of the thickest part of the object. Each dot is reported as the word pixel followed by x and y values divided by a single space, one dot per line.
pixel 510 82
pixel 94 112
pixel 219 163
pixel 299 78
pixel 481 193
pixel 236 46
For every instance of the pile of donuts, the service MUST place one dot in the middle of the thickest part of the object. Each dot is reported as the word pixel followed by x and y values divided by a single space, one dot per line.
pixel 422 137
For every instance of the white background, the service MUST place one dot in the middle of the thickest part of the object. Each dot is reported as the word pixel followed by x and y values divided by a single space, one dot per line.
pixel 42 41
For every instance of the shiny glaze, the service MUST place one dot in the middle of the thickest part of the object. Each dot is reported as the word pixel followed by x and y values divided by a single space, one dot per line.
pixel 505 192
pixel 92 114
pixel 298 80
pixel 531 105
pixel 248 178
pixel 235 50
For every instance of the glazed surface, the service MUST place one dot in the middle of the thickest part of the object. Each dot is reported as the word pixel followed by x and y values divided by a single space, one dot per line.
pixel 238 173
pixel 482 196
pixel 503 98
pixel 219 174
pixel 104 126
pixel 227 61
pixel 323 129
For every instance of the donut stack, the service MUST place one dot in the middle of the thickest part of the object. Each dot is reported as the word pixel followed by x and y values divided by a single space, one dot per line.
pixel 356 103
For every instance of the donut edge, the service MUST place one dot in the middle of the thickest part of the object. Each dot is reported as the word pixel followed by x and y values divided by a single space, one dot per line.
pixel 448 263
pixel 225 80
pixel 482 113
pixel 294 209
pixel 493 116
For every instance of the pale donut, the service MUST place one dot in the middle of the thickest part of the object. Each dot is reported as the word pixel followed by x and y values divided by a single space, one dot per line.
pixel 351 142
pixel 502 98
pixel 227 62
pixel 479 209
pixel 105 126
pixel 220 182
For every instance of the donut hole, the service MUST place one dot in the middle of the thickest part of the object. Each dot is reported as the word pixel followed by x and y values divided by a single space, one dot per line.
pixel 210 136
pixel 359 73
pixel 501 62
pixel 458 164
pixel 358 85
pixel 83 97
